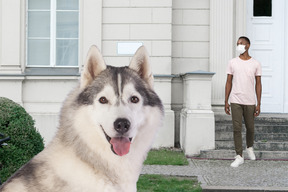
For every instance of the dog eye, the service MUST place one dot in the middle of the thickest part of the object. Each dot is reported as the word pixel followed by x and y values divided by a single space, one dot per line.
pixel 134 99
pixel 103 100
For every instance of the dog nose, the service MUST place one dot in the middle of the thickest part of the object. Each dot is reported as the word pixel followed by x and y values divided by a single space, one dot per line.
pixel 122 125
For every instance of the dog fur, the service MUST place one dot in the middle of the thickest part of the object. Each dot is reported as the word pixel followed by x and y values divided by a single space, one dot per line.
pixel 81 157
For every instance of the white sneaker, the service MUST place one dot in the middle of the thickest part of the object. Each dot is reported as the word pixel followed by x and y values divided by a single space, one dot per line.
pixel 250 153
pixel 238 161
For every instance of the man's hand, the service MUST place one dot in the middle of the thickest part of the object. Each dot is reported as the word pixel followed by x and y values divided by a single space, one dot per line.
pixel 228 88
pixel 257 111
pixel 227 108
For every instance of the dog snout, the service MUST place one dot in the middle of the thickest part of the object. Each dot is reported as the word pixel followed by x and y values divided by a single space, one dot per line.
pixel 122 125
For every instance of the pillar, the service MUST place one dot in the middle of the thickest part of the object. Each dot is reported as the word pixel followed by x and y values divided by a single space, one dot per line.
pixel 197 126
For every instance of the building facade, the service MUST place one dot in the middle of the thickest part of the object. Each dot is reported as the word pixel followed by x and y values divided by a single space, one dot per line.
pixel 43 45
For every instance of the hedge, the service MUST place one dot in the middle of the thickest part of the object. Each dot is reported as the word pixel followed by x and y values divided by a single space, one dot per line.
pixel 25 140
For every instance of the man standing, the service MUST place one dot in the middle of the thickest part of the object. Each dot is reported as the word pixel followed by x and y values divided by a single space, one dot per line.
pixel 243 80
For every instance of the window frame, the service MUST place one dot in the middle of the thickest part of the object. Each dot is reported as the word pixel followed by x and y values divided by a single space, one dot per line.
pixel 53 22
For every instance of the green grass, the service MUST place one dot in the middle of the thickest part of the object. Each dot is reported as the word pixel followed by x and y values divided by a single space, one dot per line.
pixel 166 157
pixel 161 183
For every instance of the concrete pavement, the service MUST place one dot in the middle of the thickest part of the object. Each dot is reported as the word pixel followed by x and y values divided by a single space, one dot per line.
pixel 217 175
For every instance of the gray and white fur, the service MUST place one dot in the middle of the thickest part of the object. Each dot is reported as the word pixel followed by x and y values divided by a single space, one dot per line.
pixel 107 126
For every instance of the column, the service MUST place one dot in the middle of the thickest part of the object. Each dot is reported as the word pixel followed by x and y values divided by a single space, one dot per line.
pixel 222 45
pixel 240 19
pixel 197 126
pixel 165 137
pixel 91 27
pixel 10 37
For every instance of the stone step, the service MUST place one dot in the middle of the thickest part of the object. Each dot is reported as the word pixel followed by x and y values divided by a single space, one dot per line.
pixel 230 154
pixel 224 127
pixel 264 119
pixel 260 146
pixel 271 138
pixel 264 137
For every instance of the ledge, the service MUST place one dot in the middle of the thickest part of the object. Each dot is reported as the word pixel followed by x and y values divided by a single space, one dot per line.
pixel 199 72
pixel 49 71
pixel 12 77
pixel 45 73
pixel 37 71
pixel 163 76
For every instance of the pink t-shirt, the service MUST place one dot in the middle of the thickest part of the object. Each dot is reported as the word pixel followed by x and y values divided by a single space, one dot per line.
pixel 243 83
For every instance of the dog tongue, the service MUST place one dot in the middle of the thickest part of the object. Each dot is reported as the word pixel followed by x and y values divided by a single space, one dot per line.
pixel 121 145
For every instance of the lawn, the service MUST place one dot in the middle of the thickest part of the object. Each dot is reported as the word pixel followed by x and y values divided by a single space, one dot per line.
pixel 162 183
pixel 166 157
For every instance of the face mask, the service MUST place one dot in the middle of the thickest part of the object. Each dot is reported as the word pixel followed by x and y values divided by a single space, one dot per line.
pixel 240 49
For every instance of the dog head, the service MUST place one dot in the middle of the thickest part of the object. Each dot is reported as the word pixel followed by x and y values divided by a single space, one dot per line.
pixel 119 99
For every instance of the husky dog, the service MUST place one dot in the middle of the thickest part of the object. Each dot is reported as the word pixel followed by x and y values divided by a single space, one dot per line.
pixel 107 126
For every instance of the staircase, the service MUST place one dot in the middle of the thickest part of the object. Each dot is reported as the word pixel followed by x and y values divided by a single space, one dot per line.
pixel 270 143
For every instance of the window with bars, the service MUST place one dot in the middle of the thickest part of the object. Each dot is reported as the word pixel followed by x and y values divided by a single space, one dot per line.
pixel 52 33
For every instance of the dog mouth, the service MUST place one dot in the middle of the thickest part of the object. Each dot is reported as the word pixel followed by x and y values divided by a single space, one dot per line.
pixel 119 145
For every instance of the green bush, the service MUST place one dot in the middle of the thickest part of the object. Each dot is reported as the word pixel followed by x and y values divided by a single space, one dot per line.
pixel 25 141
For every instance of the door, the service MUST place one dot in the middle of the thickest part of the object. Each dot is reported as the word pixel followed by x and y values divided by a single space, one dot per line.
pixel 265 28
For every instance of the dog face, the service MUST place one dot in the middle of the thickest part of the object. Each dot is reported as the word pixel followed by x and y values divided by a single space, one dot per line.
pixel 119 98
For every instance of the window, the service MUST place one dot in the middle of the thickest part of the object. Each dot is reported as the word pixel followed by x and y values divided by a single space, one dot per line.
pixel 52 33
pixel 262 8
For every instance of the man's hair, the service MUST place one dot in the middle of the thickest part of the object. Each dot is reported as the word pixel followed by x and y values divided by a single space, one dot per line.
pixel 245 38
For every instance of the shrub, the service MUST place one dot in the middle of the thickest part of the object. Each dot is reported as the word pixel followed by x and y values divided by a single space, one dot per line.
pixel 25 141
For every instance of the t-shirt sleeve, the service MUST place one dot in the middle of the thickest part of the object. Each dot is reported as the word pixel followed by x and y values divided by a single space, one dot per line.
pixel 229 69
pixel 258 70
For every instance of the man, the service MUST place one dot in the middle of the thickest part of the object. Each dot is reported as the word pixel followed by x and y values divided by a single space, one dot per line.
pixel 243 81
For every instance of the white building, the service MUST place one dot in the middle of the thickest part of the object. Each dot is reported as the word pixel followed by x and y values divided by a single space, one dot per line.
pixel 43 44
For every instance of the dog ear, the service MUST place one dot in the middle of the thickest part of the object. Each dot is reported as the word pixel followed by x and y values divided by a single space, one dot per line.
pixel 93 66
pixel 141 64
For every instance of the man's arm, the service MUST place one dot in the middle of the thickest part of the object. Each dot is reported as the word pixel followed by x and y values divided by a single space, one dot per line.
pixel 228 88
pixel 258 88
